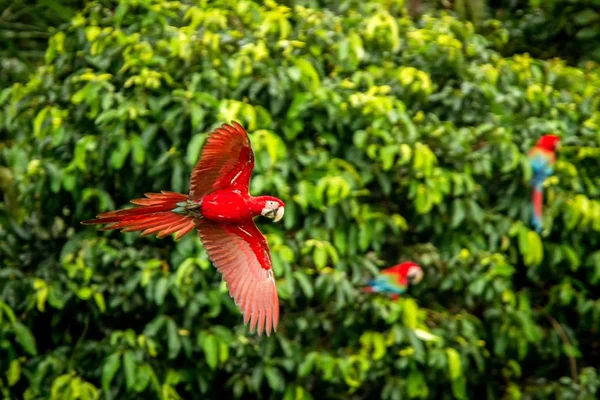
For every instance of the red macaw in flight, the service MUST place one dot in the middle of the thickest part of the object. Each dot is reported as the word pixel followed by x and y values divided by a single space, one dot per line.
pixel 396 279
pixel 221 209
pixel 542 158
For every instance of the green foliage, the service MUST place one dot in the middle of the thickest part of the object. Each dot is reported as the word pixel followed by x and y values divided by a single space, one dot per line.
pixel 557 28
pixel 25 26
pixel 388 140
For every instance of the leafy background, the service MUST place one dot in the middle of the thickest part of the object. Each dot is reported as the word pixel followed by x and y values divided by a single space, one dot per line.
pixel 392 131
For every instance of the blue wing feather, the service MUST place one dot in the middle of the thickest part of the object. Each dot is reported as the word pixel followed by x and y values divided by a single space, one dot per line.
pixel 386 284
pixel 541 166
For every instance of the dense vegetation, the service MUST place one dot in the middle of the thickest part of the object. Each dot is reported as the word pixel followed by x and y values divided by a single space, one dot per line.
pixel 388 138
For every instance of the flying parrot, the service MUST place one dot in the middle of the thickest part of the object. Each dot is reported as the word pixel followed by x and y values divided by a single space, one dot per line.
pixel 221 209
pixel 395 280
pixel 542 158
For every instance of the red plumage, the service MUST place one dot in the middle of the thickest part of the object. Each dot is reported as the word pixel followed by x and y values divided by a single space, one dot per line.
pixel 548 142
pixel 537 200
pixel 542 158
pixel 396 279
pixel 222 211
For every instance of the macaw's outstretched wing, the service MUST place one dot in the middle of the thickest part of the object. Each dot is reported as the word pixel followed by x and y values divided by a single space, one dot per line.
pixel 241 254
pixel 226 161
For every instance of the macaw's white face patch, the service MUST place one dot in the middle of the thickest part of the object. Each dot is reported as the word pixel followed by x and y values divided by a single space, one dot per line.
pixel 415 274
pixel 273 210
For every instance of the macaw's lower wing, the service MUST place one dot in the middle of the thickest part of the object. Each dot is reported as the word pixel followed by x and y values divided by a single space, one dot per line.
pixel 386 284
pixel 391 282
pixel 241 254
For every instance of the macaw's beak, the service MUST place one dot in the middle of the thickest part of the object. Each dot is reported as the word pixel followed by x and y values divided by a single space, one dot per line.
pixel 275 213
pixel 415 277
pixel 279 214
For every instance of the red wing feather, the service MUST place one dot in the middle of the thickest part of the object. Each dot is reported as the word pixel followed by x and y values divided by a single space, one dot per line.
pixel 241 254
pixel 226 160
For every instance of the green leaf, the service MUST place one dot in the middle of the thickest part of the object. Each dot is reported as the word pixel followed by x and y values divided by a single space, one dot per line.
pixel 309 74
pixel 409 313
pixel 99 298
pixel 223 351
pixel 174 343
pixel 459 388
pixel 130 365
pixel 378 346
pixel 387 154
pixel 210 346
pixel 304 284
pixel 586 16
pixel 14 373
pixel 144 376
pixel 589 32
pixel 155 325
pixel 25 338
pixel 84 293
pixel 119 155
pixel 161 290
pixel 571 255
pixel 58 385
pixel 197 113
pixel 458 213
pixel 416 385
pixel 320 257
pixel 137 146
pixel 307 364
pixel 193 149
pixel 39 121
pixel 109 370
pixel 88 391
pixel 454 364
pixel 275 379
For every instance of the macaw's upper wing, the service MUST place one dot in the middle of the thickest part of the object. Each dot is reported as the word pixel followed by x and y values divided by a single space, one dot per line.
pixel 241 254
pixel 226 161
pixel 542 162
pixel 393 279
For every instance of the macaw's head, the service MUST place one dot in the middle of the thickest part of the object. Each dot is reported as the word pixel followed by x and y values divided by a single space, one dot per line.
pixel 270 207
pixel 412 272
pixel 548 142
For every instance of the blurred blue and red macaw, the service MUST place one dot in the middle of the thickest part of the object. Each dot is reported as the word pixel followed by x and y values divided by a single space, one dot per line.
pixel 395 280
pixel 542 158
pixel 220 208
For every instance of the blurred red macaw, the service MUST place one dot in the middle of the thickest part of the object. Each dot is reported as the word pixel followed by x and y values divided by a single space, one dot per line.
pixel 395 279
pixel 222 211
pixel 542 158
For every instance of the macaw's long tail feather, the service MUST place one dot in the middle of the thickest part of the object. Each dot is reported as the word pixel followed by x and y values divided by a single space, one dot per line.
pixel 536 200
pixel 162 213
pixel 368 289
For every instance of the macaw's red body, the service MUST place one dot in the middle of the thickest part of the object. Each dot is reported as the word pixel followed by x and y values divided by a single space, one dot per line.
pixel 542 158
pixel 396 279
pixel 220 208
